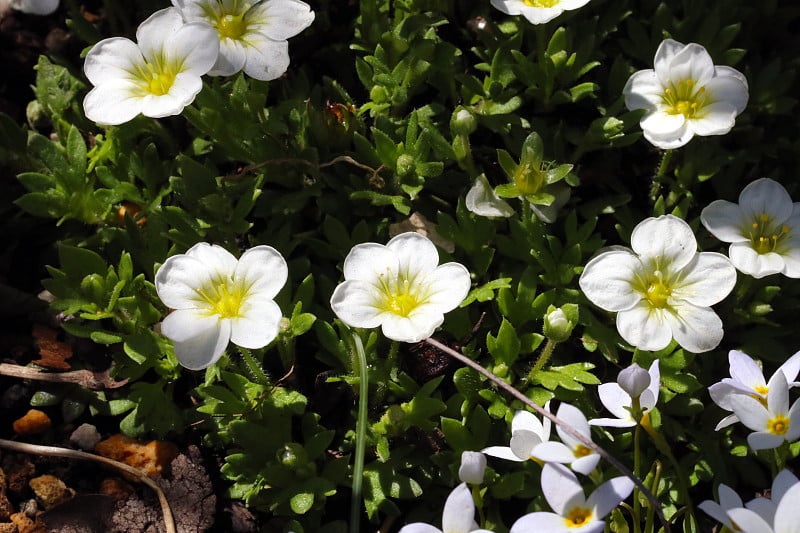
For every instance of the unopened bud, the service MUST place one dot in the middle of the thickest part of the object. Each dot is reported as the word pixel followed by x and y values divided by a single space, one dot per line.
pixel 559 322
pixel 406 166
pixel 473 465
pixel 463 122
pixel 634 380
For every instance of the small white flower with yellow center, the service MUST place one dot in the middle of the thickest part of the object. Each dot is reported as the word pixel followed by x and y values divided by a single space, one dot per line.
pixel 764 229
pixel 574 513
pixel 685 95
pixel 399 287
pixel 662 288
pixel 772 423
pixel 526 433
pixel 458 515
pixel 157 77
pixel 216 299
pixel 252 34
pixel 570 450
pixel 537 11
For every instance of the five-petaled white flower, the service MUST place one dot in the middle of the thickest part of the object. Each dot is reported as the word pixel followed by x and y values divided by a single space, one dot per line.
pixel 574 513
pixel 766 507
pixel 217 298
pixel 728 499
pixel 252 34
pixel 633 382
pixel 157 77
pixel 570 450
pixel 537 11
pixel 784 519
pixel 764 229
pixel 526 433
pixel 747 378
pixel 458 515
pixel 34 7
pixel 772 421
pixel 399 287
pixel 662 288
pixel 685 95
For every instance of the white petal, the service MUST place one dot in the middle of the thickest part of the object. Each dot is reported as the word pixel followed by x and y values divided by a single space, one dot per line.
pixel 419 527
pixel 763 440
pixel 615 400
pixel 541 521
pixel 749 521
pixel 472 468
pixel 692 62
pixel 608 495
pixel 724 220
pixel 606 280
pixel 553 452
pixel 667 240
pixel 643 91
pixel 728 498
pixel 263 269
pixel 112 60
pixel 178 280
pixel 459 511
pixel 34 7
pixel 612 423
pixel 793 432
pixel 356 303
pixel 259 324
pixel 585 464
pixel 561 488
pixel 665 53
pixel 503 452
pixel 280 19
pixel 182 92
pixel 654 387
pixel 216 259
pixel 782 483
pixel 766 196
pixel 509 7
pixel 370 262
pixel 417 254
pixel 748 261
pixel 414 328
pixel 697 329
pixel 199 339
pixel 728 89
pixel 750 412
pixel 786 516
pixel 447 286
pixel 231 59
pixel 791 368
pixel 722 71
pixel 482 200
pixel 706 280
pixel 715 119
pixel 114 102
pixel 523 442
pixel 715 511
pixel 524 420
pixel 195 47
pixel 745 370
pixel 778 394
pixel 644 327
pixel 665 130
pixel 727 421
pixel 669 140
pixel 156 30
pixel 266 59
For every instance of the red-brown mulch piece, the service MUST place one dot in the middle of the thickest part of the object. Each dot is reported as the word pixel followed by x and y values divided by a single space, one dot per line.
pixel 53 352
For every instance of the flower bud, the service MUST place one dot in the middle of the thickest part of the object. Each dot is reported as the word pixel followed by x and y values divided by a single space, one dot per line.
pixel 473 465
pixel 463 122
pixel 634 380
pixel 406 166
pixel 559 322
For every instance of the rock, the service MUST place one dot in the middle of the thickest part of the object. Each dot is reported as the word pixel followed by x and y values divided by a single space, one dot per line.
pixel 50 490
pixel 26 525
pixel 85 437
pixel 151 458
pixel 32 423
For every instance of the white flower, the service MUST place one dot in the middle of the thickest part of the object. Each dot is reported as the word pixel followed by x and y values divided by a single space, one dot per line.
pixel 619 399
pixel 458 515
pixel 157 77
pixel 537 11
pixel 570 450
pixel 685 95
pixel 764 229
pixel 217 298
pixel 662 288
pixel 767 507
pixel 728 499
pixel 574 513
pixel 784 521
pixel 399 287
pixel 747 378
pixel 773 422
pixel 34 7
pixel 252 34
pixel 473 466
pixel 526 433
pixel 483 201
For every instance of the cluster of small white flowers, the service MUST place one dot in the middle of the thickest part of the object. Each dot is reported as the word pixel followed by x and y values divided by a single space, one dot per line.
pixel 160 74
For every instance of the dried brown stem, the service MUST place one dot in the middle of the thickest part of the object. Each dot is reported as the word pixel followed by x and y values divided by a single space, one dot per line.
pixel 54 451
pixel 84 378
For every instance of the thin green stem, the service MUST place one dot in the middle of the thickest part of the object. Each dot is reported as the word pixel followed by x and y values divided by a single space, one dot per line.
pixel 361 435
pixel 661 173
pixel 637 465
pixel 553 418
pixel 649 523
pixel 544 357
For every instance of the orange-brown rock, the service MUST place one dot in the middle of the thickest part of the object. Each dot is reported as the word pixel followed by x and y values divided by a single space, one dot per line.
pixel 116 488
pixel 6 509
pixel 26 525
pixel 50 491
pixel 32 423
pixel 150 458
pixel 8 527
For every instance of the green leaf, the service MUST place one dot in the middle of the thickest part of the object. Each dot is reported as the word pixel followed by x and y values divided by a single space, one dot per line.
pixel 506 346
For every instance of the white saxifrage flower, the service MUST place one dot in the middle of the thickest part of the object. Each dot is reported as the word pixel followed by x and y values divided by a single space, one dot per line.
pixel 537 11
pixel 685 95
pixel 570 450
pixel 252 34
pixel 662 287
pixel 157 77
pixel 483 201
pixel 458 515
pixel 216 299
pixel 728 499
pixel 399 287
pixel 773 422
pixel 784 520
pixel 633 382
pixel 574 513
pixel 747 378
pixel 526 433
pixel 767 507
pixel 473 467
pixel 763 229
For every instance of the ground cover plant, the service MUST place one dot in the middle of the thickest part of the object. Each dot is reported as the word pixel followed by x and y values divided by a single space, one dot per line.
pixel 414 265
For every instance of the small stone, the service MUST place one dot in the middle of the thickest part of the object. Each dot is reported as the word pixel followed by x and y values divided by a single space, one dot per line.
pixel 8 527
pixel 151 458
pixel 6 509
pixel 85 437
pixel 50 490
pixel 26 525
pixel 116 488
pixel 32 423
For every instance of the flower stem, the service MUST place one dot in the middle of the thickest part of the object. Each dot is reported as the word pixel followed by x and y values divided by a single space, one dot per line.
pixel 361 435
pixel 660 174
pixel 553 418
pixel 637 464
pixel 544 357
pixel 253 368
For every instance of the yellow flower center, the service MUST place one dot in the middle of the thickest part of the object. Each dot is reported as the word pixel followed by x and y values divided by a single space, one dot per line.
pixel 578 517
pixel 765 234
pixel 224 297
pixel 683 98
pixel 156 78
pixel 581 451
pixel 231 26
pixel 658 294
pixel 528 179
pixel 778 425
pixel 761 394
pixel 400 295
